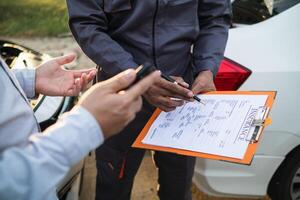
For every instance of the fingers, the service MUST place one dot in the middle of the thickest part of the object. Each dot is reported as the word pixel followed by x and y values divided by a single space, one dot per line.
pixel 166 109
pixel 65 59
pixel 82 82
pixel 163 92
pixel 164 103
pixel 85 79
pixel 200 88
pixel 91 75
pixel 168 104
pixel 143 85
pixel 77 73
pixel 176 90
pixel 76 88
pixel 120 81
pixel 180 81
pixel 131 108
pixel 136 105
pixel 129 119
pixel 79 85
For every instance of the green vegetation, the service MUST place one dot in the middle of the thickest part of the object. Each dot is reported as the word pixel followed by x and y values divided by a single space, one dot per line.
pixel 33 17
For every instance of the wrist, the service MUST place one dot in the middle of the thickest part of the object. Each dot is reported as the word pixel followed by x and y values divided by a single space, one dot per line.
pixel 207 71
pixel 206 65
pixel 37 82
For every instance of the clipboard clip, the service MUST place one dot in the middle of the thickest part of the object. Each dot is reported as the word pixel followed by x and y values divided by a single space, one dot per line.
pixel 261 120
pixel 258 122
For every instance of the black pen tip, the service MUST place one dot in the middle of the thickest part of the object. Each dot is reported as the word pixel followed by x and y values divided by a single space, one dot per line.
pixel 198 99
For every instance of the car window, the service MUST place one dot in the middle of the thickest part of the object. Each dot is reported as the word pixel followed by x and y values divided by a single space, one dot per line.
pixel 254 11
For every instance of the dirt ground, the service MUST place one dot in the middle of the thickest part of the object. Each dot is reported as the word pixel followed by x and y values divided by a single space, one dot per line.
pixel 145 183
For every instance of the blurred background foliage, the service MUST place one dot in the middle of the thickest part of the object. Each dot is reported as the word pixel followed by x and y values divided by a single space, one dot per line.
pixel 33 17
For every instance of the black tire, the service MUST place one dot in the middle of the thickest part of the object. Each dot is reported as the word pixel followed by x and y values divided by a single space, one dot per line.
pixel 285 184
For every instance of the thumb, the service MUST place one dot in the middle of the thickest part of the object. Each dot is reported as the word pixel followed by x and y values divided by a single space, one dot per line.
pixel 196 89
pixel 121 81
pixel 62 60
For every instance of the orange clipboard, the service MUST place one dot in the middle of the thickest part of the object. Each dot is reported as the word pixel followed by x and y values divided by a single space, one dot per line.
pixel 251 147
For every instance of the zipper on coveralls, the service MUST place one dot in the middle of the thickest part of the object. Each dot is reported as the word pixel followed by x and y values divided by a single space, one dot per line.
pixel 153 34
pixel 123 165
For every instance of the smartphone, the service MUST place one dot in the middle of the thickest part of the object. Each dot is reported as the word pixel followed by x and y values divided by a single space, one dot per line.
pixel 143 70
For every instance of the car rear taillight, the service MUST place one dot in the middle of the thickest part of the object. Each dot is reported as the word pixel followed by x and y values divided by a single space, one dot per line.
pixel 231 75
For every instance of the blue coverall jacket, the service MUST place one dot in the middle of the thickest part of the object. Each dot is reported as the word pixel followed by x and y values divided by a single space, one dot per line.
pixel 179 37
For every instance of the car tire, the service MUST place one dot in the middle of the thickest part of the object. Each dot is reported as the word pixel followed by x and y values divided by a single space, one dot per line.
pixel 285 184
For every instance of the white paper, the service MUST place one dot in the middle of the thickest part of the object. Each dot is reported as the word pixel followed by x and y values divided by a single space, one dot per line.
pixel 221 127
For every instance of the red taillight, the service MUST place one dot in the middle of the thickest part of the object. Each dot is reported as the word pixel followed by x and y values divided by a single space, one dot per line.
pixel 231 75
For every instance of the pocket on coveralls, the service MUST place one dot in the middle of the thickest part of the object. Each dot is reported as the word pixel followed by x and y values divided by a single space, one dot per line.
pixel 181 12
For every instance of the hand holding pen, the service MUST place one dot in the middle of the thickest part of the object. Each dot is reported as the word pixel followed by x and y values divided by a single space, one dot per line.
pixel 159 93
pixel 170 79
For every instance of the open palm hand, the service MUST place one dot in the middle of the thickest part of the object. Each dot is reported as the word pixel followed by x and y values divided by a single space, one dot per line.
pixel 53 80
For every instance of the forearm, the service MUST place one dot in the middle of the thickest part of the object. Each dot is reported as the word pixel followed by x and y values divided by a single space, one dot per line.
pixel 33 172
pixel 26 79
pixel 89 25
pixel 214 22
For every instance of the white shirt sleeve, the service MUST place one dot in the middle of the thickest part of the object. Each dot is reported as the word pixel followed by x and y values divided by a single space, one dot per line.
pixel 34 171
pixel 26 79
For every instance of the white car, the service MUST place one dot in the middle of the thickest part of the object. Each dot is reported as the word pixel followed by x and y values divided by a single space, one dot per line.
pixel 262 54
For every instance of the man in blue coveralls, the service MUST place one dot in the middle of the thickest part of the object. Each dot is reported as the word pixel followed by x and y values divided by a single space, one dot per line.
pixel 182 38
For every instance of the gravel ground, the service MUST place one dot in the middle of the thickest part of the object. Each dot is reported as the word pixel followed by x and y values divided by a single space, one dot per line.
pixel 145 183
pixel 55 46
